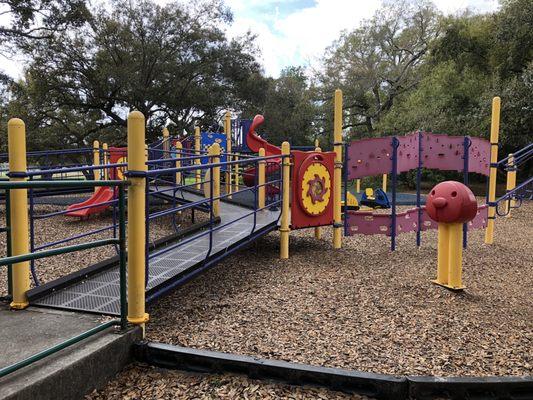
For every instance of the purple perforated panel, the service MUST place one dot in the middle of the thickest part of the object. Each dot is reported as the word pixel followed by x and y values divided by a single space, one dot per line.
pixel 408 152
pixel 479 156
pixel 367 223
pixel 442 152
pixel 368 157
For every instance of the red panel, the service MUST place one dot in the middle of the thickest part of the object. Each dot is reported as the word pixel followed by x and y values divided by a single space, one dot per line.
pixel 117 155
pixel 299 218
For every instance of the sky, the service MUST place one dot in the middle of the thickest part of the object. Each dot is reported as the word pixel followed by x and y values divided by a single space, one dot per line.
pixel 296 32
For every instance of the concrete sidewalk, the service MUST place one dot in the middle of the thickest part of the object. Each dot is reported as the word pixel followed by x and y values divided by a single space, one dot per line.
pixel 69 373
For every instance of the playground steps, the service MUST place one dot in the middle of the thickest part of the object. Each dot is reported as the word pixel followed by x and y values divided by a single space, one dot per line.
pixel 100 293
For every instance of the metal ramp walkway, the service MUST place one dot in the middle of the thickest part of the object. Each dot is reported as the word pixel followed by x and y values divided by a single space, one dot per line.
pixel 100 293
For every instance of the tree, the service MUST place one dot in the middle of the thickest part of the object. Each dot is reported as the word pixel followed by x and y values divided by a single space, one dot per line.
pixel 378 62
pixel 288 109
pixel 172 63
pixel 39 19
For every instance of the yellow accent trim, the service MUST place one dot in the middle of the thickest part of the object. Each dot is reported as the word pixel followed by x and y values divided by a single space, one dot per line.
pixel 494 134
pixel 337 139
pixel 105 148
pixel 261 176
pixel 384 183
pixel 96 161
pixel 198 174
pixel 136 219
pixel 179 147
pixel 318 231
pixel 16 131
pixel 511 184
pixel 321 171
pixel 227 174
pixel 284 227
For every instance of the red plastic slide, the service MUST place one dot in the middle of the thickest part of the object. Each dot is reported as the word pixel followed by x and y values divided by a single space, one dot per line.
pixel 102 195
pixel 254 143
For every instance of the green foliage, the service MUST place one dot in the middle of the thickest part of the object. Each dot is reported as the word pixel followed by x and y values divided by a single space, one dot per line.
pixel 378 62
pixel 288 109
pixel 172 63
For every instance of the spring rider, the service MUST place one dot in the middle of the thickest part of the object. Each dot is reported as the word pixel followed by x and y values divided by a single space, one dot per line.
pixel 450 204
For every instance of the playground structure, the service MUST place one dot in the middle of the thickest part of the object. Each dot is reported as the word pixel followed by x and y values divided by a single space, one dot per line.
pixel 243 196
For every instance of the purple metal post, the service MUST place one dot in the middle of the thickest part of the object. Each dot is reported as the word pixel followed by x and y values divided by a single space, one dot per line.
pixel 466 150
pixel 395 144
pixel 418 182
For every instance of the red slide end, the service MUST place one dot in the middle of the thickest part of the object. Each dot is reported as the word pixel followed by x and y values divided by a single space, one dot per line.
pixel 255 142
pixel 102 195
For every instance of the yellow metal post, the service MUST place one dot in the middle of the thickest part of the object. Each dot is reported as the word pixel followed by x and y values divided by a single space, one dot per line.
pixel 358 185
pixel 284 228
pixel 337 142
pixel 261 180
pixel 316 143
pixel 318 233
pixel 214 151
pixel 136 219
pixel 105 150
pixel 197 161
pixel 227 174
pixel 443 254
pixel 511 183
pixel 494 134
pixel 96 161
pixel 166 143
pixel 179 147
pixel 384 183
pixel 16 137
pixel 456 257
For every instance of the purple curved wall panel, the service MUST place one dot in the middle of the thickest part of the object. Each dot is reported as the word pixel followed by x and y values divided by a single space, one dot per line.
pixel 368 157
pixel 408 152
pixel 442 152
pixel 367 223
pixel 479 156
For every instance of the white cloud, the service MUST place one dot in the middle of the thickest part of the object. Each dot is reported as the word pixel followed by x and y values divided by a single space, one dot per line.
pixel 300 36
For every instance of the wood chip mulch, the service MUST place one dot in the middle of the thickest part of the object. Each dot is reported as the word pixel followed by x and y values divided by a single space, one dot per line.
pixel 144 382
pixel 364 307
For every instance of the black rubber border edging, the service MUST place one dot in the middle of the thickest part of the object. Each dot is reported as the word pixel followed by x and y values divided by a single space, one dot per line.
pixel 194 360
pixel 378 386
pixel 84 273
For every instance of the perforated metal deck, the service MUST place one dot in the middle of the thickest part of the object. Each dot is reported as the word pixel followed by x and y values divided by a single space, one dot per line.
pixel 100 292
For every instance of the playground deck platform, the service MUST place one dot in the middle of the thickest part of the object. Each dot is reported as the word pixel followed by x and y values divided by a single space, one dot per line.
pixel 170 266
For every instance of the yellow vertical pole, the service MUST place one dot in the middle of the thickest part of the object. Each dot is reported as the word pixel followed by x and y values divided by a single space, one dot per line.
pixel 285 186
pixel 166 143
pixel 494 134
pixel 358 185
pixel 384 183
pixel 227 130
pixel 96 161
pixel 318 233
pixel 337 142
pixel 261 180
pixel 316 143
pixel 443 254
pixel 198 174
pixel 106 160
pixel 511 183
pixel 455 256
pixel 214 151
pixel 16 137
pixel 136 219
pixel 179 147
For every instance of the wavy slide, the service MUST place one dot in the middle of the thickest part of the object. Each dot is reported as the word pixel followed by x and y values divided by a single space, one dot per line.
pixel 102 195
pixel 254 143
